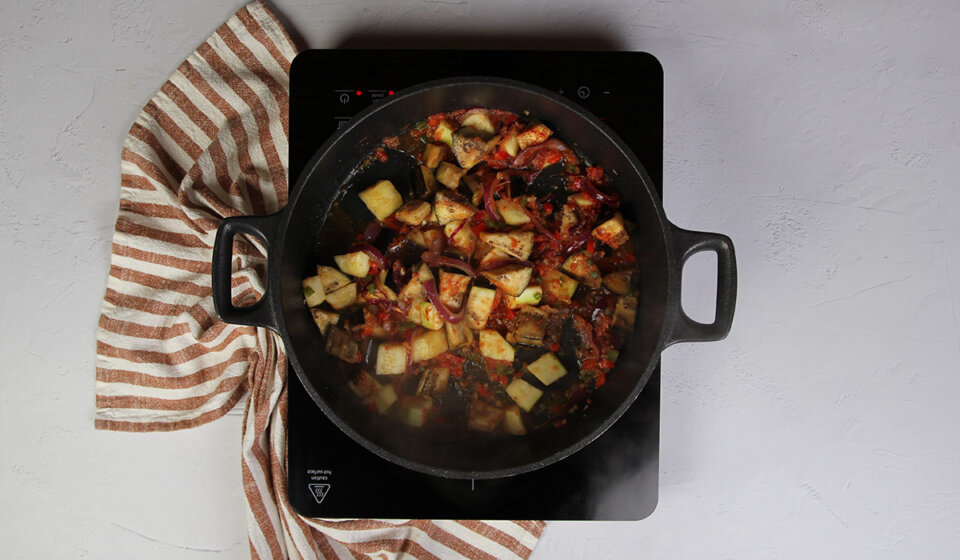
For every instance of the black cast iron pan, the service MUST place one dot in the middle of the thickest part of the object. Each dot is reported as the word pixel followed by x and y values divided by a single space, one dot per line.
pixel 295 245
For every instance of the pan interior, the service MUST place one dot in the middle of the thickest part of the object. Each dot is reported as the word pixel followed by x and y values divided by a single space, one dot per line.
pixel 469 455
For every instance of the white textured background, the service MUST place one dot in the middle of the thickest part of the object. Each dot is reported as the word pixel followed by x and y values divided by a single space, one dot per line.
pixel 824 139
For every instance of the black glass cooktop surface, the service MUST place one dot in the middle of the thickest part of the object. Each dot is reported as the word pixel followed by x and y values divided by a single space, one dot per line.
pixel 613 478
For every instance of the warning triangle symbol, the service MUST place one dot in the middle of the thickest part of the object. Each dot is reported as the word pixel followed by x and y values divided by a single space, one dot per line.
pixel 319 492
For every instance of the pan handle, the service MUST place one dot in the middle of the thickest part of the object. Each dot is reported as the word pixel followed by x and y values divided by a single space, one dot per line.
pixel 260 314
pixel 686 244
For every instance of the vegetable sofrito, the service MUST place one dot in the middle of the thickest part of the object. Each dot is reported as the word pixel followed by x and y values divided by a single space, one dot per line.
pixel 497 299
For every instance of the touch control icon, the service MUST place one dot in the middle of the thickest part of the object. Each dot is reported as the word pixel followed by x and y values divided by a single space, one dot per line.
pixel 583 92
pixel 344 98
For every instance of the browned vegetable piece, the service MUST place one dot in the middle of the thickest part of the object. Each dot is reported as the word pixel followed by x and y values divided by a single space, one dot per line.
pixel 448 207
pixel 511 278
pixel 582 266
pixel 469 147
pixel 476 188
pixel 453 289
pixel 429 180
pixel 531 326
pixel 461 238
pixel 626 312
pixel 533 135
pixel 414 212
pixel 449 175
pixel 434 381
pixel 432 155
pixel 612 232
pixel 515 243
pixel 484 417
pixel 618 282
pixel 342 345
pixel 324 319
pixel 558 285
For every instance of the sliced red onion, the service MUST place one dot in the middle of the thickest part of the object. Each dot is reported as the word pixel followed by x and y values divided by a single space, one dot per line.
pixel 526 156
pixel 430 287
pixel 488 204
pixel 373 252
pixel 542 228
pixel 497 263
pixel 434 259
pixel 578 243
pixel 592 190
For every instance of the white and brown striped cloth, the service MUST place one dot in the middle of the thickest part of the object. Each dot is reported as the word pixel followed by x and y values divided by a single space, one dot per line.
pixel 213 143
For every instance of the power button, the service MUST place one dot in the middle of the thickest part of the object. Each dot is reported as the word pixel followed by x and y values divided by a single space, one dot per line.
pixel 583 92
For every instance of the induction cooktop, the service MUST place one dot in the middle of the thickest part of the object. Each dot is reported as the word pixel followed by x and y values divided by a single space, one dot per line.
pixel 613 478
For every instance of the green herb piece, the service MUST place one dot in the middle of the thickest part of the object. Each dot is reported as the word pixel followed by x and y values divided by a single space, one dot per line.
pixel 613 355
pixel 308 291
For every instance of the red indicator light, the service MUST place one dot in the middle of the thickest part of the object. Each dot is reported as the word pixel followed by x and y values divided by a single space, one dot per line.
pixel 358 92
pixel 390 92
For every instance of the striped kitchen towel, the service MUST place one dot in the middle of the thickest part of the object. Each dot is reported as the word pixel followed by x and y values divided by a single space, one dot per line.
pixel 212 143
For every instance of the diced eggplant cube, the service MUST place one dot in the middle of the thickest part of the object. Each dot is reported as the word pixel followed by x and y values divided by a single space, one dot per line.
pixel 612 232
pixel 391 358
pixel 460 237
pixel 493 346
pixel 484 417
pixel 581 265
pixel 429 180
pixel 458 335
pixel 582 199
pixel 432 237
pixel 430 317
pixel 434 381
pixel 618 282
pixel 342 345
pixel 513 421
pixel 356 264
pixel 531 295
pixel 449 175
pixel 313 291
pixel 547 368
pixel 432 155
pixel 511 212
pixel 444 132
pixel 469 148
pixel 491 255
pixel 558 285
pixel 364 385
pixel 324 319
pixel 524 394
pixel 414 212
pixel 331 278
pixel 382 199
pixel 417 411
pixel 625 313
pixel 478 119
pixel 536 134
pixel 343 297
pixel 516 243
pixel 511 278
pixel 384 398
pixel 449 207
pixel 479 306
pixel 428 345
pixel 510 145
pixel 453 289
pixel 531 325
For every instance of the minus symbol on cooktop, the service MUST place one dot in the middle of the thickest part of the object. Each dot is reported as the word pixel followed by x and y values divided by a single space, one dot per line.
pixel 606 93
